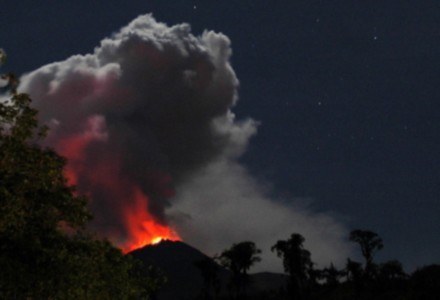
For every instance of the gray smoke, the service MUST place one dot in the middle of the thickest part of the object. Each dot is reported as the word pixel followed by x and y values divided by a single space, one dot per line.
pixel 149 112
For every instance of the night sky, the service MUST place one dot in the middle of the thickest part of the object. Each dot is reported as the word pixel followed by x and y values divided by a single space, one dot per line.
pixel 347 93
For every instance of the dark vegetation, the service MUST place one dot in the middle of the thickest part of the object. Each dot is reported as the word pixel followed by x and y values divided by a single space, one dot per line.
pixel 46 252
pixel 193 275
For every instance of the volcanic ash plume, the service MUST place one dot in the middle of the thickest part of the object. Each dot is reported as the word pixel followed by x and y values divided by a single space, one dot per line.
pixel 149 106
pixel 146 115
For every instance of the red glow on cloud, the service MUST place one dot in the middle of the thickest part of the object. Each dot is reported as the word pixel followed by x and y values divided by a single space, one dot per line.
pixel 141 228
pixel 73 147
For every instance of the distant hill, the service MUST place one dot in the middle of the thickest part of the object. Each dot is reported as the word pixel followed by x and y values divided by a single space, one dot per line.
pixel 176 260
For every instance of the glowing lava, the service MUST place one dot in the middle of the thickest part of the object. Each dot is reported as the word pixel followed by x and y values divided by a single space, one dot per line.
pixel 103 179
pixel 143 229
pixel 157 240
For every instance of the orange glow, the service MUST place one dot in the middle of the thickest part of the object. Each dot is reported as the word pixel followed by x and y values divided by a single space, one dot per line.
pixel 142 227
pixel 139 227
pixel 73 147
pixel 157 240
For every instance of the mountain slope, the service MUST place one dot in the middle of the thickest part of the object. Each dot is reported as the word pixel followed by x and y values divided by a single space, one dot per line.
pixel 176 260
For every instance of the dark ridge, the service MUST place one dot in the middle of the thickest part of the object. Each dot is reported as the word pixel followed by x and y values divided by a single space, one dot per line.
pixel 176 260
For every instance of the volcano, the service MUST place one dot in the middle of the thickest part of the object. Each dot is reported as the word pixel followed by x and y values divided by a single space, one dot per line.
pixel 177 260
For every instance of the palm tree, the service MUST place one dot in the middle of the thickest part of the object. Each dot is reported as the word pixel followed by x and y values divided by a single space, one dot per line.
pixel 296 260
pixel 238 259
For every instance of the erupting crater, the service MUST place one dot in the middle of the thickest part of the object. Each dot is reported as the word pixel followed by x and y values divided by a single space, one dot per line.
pixel 142 227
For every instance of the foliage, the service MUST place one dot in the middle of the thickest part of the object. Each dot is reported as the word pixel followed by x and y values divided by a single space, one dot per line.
pixel 370 243
pixel 391 270
pixel 355 274
pixel 296 261
pixel 209 270
pixel 147 279
pixel 239 258
pixel 44 250
pixel 332 275
pixel 425 282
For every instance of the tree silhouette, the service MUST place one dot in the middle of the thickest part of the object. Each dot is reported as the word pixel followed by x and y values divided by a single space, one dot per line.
pixel 238 259
pixel 209 270
pixel 296 261
pixel 45 252
pixel 425 283
pixel 332 275
pixel 391 270
pixel 370 243
pixel 354 273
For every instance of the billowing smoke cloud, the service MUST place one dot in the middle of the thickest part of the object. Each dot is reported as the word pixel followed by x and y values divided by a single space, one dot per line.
pixel 223 203
pixel 146 124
